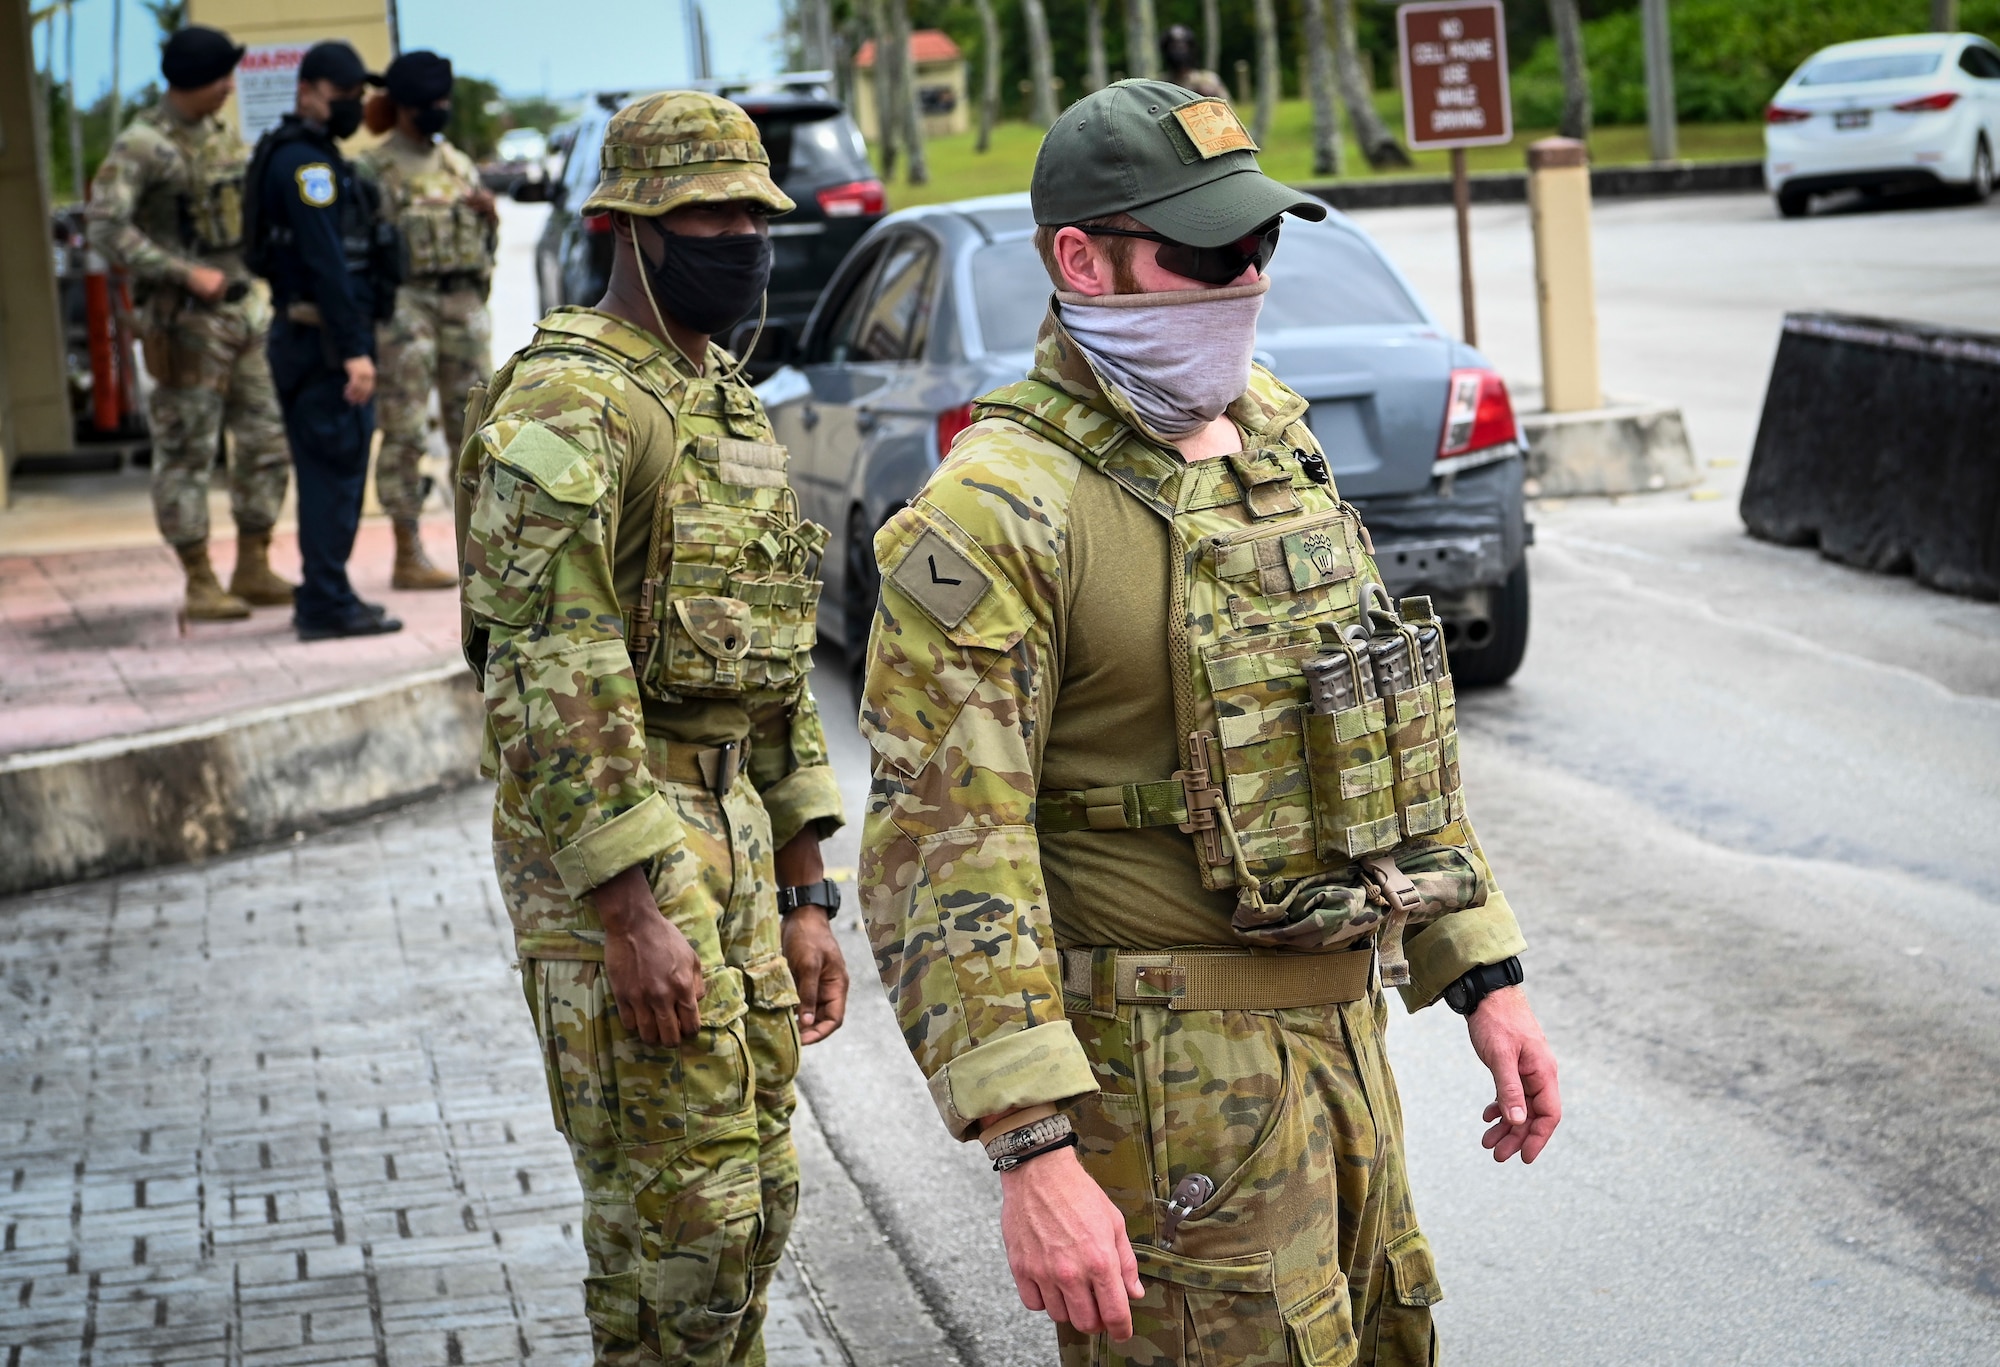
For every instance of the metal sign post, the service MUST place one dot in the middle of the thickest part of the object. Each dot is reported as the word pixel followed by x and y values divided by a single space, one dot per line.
pixel 1455 96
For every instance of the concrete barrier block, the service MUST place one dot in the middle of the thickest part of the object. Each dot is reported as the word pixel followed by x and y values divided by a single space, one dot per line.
pixel 195 791
pixel 1626 447
pixel 1877 445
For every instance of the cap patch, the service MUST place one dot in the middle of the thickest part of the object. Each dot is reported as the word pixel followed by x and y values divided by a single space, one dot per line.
pixel 1212 126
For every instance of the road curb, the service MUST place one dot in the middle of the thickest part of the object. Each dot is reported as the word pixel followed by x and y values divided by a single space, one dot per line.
pixel 190 792
pixel 1511 187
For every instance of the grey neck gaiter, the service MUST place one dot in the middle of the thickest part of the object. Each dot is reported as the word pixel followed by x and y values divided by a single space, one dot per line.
pixel 1178 358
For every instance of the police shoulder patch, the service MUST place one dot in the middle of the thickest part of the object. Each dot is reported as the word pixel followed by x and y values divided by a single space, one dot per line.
pixel 316 184
pixel 1213 128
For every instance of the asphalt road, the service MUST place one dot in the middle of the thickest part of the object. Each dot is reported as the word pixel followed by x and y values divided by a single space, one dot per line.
pixel 1746 803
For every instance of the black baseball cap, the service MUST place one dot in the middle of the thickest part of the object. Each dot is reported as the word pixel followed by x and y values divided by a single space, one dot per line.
pixel 195 56
pixel 1180 163
pixel 419 78
pixel 338 62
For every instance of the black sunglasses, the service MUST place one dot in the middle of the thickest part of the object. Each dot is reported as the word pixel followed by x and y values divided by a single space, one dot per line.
pixel 1210 265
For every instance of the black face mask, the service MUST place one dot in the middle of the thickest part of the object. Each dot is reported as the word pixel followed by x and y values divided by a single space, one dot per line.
pixel 431 119
pixel 343 117
pixel 708 283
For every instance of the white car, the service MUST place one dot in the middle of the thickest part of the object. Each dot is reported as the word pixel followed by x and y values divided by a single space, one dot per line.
pixel 1922 110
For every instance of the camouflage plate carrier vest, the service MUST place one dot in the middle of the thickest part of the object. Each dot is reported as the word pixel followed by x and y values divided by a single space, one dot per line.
pixel 444 236
pixel 729 605
pixel 1316 720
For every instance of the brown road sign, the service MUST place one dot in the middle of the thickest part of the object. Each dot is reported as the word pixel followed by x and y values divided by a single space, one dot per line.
pixel 1455 74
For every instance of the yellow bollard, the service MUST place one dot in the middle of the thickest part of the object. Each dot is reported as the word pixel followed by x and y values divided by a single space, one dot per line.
pixel 1565 291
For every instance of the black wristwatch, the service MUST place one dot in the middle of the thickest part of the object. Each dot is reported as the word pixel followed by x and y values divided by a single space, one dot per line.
pixel 1470 989
pixel 824 893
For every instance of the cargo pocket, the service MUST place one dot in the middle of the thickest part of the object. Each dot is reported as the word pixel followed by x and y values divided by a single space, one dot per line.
pixel 1227 1311
pixel 694 1297
pixel 535 492
pixel 611 1304
pixel 773 1028
pixel 1407 1334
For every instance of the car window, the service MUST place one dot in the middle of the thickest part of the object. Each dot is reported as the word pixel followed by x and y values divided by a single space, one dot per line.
pixel 891 325
pixel 815 151
pixel 1333 278
pixel 1010 293
pixel 1980 62
pixel 835 342
pixel 1887 66
pixel 580 171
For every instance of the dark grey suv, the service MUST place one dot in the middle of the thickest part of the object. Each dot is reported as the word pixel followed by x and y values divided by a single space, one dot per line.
pixel 940 304
pixel 817 157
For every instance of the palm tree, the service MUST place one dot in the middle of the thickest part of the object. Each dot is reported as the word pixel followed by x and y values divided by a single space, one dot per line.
pixel 885 87
pixel 1097 73
pixel 907 102
pixel 1267 69
pixel 1568 24
pixel 1041 67
pixel 1319 84
pixel 989 73
pixel 1378 144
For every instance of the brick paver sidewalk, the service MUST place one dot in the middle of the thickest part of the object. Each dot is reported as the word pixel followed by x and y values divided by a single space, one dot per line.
pixel 287 1108
pixel 91 646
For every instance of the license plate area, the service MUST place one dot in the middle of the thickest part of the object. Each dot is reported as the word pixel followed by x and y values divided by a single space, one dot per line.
pixel 1848 119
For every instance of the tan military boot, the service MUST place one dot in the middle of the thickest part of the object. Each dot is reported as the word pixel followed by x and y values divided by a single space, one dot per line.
pixel 414 569
pixel 207 601
pixel 253 579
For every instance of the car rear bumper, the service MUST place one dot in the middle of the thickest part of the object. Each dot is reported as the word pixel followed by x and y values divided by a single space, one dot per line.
pixel 1462 532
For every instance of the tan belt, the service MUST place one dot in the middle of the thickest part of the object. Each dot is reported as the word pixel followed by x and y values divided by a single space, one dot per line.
pixel 1215 979
pixel 305 313
pixel 713 767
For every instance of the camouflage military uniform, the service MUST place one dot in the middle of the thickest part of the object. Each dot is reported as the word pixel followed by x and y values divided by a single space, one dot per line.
pixel 441 337
pixel 168 198
pixel 1027 688
pixel 640 598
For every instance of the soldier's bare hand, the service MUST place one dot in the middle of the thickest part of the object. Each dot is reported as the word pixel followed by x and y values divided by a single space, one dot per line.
pixel 1527 1102
pixel 820 970
pixel 480 201
pixel 206 283
pixel 655 973
pixel 360 380
pixel 1066 1246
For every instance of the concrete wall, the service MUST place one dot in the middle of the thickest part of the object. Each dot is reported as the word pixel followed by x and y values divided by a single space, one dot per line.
pixel 34 390
pixel 196 791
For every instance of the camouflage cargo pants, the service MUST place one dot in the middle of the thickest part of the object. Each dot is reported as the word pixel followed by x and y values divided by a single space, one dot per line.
pixel 1308 1254
pixel 210 372
pixel 689 1176
pixel 440 340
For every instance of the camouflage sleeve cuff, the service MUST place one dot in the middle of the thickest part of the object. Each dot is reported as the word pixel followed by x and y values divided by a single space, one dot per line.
pixel 1455 945
pixel 632 837
pixel 1024 1068
pixel 809 796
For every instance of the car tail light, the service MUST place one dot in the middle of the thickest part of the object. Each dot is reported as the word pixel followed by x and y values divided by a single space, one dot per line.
pixel 1478 415
pixel 949 424
pixel 852 200
pixel 1777 113
pixel 596 224
pixel 1929 104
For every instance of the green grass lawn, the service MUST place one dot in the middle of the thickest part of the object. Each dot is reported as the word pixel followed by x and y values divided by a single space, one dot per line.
pixel 958 172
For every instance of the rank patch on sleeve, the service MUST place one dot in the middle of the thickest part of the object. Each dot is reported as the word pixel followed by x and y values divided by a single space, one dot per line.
pixel 938 578
pixel 1213 128
pixel 316 186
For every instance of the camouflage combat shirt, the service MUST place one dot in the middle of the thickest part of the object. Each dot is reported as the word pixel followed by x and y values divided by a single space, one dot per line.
pixel 1057 675
pixel 169 197
pixel 424 186
pixel 567 468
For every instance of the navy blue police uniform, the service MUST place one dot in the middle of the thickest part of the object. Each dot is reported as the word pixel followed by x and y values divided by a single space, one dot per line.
pixel 320 220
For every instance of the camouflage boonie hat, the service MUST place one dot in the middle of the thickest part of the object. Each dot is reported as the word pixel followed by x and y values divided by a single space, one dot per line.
pixel 682 147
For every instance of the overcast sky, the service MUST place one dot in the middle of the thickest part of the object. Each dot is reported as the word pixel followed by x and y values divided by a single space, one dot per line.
pixel 526 46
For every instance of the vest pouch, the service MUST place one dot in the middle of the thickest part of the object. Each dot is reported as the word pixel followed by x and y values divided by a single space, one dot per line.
pixel 1409 699
pixel 706 642
pixel 1332 911
pixel 1347 755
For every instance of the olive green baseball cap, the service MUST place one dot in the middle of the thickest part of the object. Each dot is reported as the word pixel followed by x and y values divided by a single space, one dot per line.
pixel 682 147
pixel 1180 163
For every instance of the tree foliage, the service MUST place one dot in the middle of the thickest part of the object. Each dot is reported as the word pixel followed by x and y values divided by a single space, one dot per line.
pixel 476 117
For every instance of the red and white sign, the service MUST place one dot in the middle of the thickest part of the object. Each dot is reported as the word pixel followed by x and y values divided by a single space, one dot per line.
pixel 267 86
pixel 1455 74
